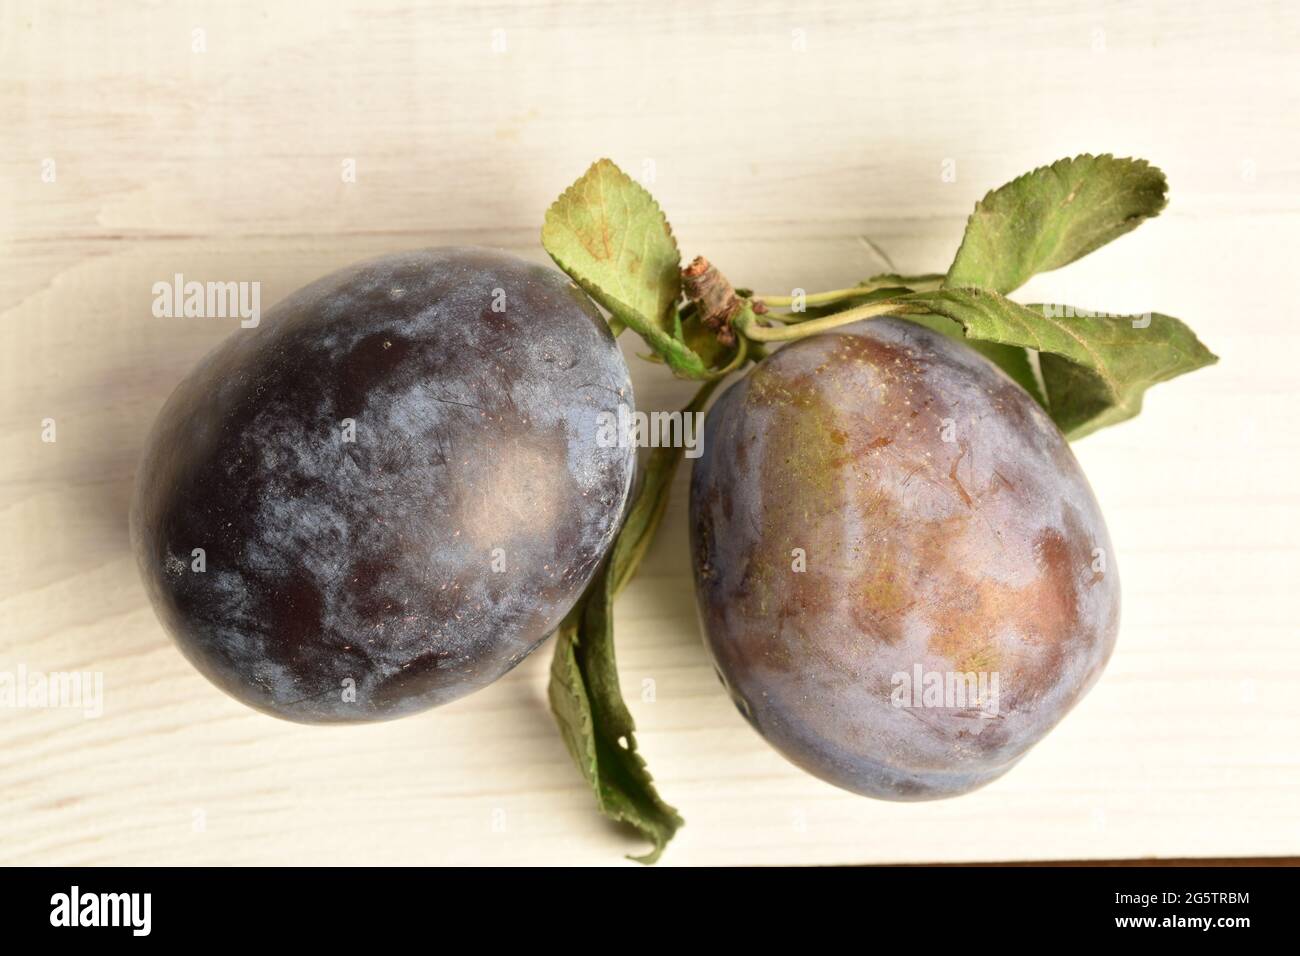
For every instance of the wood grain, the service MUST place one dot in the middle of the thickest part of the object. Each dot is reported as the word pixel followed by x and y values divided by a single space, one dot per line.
pixel 790 159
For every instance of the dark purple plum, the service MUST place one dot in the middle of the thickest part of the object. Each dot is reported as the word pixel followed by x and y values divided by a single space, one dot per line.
pixel 903 577
pixel 394 485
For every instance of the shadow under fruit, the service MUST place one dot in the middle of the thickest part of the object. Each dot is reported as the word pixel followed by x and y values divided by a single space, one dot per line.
pixel 880 504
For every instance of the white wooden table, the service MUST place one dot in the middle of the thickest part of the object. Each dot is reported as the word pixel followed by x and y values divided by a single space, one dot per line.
pixel 780 141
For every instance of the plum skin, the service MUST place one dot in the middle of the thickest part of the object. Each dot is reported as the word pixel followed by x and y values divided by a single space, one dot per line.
pixel 368 579
pixel 984 553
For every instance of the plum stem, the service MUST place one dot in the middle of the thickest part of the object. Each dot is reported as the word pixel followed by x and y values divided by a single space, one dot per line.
pixel 711 293
pixel 750 329
pixel 841 295
pixel 737 360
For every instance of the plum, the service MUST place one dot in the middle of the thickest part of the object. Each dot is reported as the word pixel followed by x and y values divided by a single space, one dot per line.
pixel 903 577
pixel 392 491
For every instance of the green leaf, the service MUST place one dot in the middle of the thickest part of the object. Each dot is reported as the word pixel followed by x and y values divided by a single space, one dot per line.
pixel 1011 359
pixel 597 726
pixel 1052 216
pixel 568 696
pixel 1014 361
pixel 591 720
pixel 1095 367
pixel 612 239
pixel 610 235
pixel 585 696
